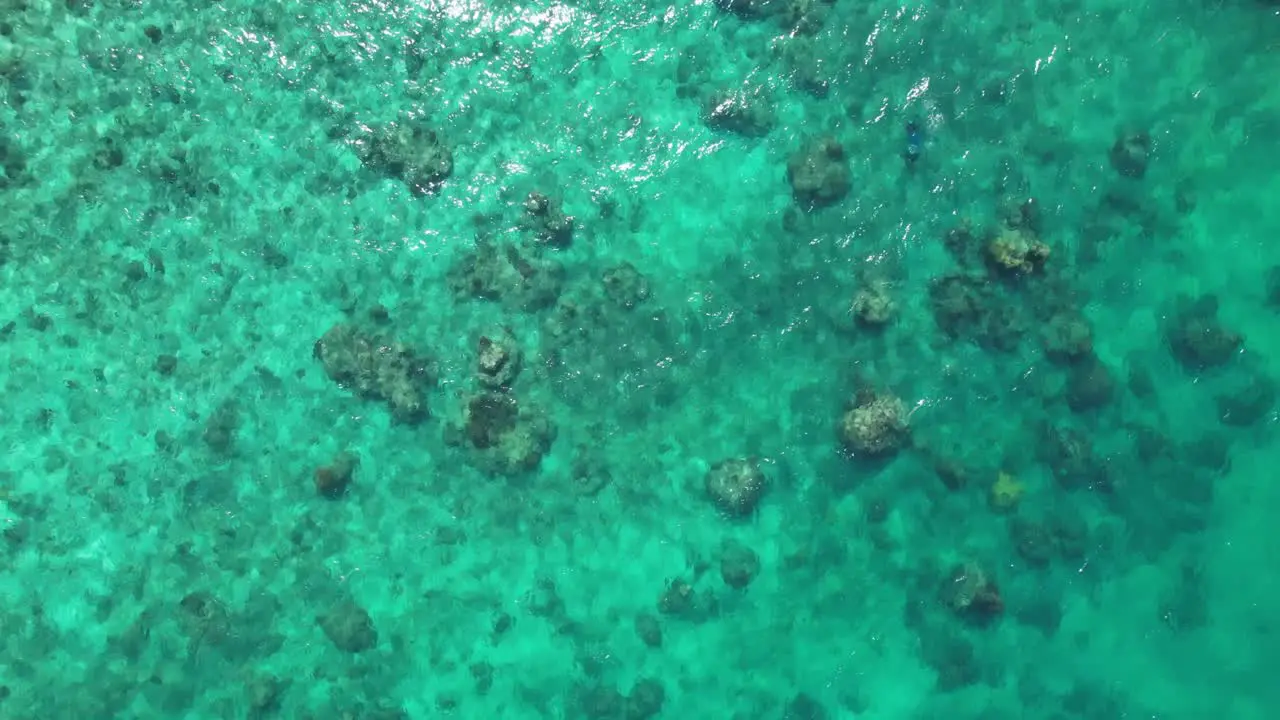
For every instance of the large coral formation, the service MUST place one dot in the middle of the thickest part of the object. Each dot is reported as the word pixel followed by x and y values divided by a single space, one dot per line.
pixel 503 273
pixel 505 438
pixel 1017 249
pixel 876 425
pixel 489 417
pixel 378 368
pixel 960 304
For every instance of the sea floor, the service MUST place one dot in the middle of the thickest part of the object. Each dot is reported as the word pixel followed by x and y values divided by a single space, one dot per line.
pixel 738 359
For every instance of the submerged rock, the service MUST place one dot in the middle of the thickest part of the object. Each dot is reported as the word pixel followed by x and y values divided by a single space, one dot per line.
pixel 498 360
pixel 503 273
pixel 625 285
pixel 873 306
pixel 506 439
pixel 1130 154
pixel 414 154
pixel 748 9
pixel 739 564
pixel 1016 249
pixel 545 218
pixel 819 174
pixel 971 593
pixel 876 425
pixel 1067 337
pixel 349 627
pixel 735 486
pixel 332 480
pixel 1089 385
pixel 1247 400
pixel 377 368
pixel 1197 339
pixel 746 113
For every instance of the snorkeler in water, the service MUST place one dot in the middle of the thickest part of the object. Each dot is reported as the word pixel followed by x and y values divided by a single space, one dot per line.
pixel 915 142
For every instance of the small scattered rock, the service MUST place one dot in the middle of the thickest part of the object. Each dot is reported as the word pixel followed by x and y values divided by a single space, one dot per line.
pixel 739 564
pixel 349 627
pixel 971 593
pixel 679 599
pixel 873 306
pixel 1196 337
pixel 544 217
pixel 1089 385
pixel 735 486
pixel 263 694
pixel 482 674
pixel 413 154
pixel 204 619
pixel 1067 337
pixel 645 700
pixel 625 286
pixel 649 630
pixel 498 360
pixel 819 174
pixel 135 272
pixel 747 9
pixel 332 480
pixel 804 707
pixel 1130 154
pixel 166 364
pixel 221 427
pixel 746 113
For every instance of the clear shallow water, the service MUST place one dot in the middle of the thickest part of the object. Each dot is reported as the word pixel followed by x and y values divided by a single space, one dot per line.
pixel 187 214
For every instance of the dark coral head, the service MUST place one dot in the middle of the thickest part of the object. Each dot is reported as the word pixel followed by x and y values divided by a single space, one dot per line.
pixel 489 417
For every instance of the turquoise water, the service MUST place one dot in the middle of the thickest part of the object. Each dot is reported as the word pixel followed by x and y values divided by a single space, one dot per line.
pixel 630 360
